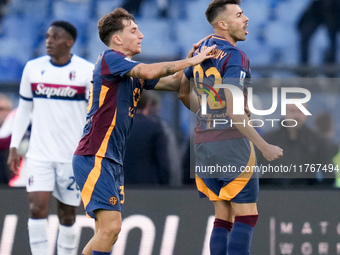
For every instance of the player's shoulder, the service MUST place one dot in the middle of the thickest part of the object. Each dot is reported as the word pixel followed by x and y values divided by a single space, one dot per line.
pixel 236 56
pixel 82 61
pixel 224 45
pixel 40 60
pixel 113 54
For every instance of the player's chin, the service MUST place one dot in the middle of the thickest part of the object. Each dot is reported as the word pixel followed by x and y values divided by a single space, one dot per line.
pixel 243 38
pixel 49 52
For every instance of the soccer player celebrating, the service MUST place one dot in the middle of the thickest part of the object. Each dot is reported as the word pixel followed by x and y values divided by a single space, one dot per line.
pixel 234 194
pixel 117 85
pixel 53 90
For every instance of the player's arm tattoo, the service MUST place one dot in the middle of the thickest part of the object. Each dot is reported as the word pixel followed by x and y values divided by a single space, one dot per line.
pixel 135 72
pixel 164 71
pixel 168 70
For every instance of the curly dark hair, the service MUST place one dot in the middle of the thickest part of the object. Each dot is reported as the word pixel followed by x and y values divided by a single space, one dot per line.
pixel 112 23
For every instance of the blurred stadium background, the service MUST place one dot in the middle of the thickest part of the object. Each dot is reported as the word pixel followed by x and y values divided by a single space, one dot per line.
pixel 273 48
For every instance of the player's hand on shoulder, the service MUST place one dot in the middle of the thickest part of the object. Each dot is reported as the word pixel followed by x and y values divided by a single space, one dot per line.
pixel 272 152
pixel 203 55
pixel 196 45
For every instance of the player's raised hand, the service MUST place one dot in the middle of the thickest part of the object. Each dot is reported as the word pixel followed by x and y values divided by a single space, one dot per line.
pixel 14 160
pixel 196 45
pixel 272 152
pixel 203 55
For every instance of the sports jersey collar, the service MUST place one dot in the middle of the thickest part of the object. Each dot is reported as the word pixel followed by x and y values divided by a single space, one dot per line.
pixel 220 38
pixel 63 64
pixel 119 53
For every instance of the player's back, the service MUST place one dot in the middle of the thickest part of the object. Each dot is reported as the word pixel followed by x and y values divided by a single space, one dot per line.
pixel 229 65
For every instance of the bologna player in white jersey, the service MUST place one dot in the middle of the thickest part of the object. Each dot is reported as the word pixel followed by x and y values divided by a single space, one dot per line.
pixel 53 90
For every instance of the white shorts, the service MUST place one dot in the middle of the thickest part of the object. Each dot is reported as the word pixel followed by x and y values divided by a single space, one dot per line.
pixel 54 177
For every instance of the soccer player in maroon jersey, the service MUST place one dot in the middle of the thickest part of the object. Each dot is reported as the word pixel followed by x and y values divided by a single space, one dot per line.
pixel 118 82
pixel 235 193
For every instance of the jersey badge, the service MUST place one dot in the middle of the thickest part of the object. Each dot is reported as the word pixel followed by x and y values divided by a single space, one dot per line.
pixel 242 77
pixel 113 200
pixel 72 75
pixel 130 60
pixel 30 180
pixel 142 82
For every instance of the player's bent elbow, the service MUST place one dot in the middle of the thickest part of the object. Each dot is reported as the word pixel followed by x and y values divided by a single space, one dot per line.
pixel 182 96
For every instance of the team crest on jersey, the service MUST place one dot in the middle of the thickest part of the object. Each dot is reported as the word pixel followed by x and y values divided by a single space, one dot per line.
pixel 113 200
pixel 130 60
pixel 136 97
pixel 30 180
pixel 142 82
pixel 72 75
pixel 242 77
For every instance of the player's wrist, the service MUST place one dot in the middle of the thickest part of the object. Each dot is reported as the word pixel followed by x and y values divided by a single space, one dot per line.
pixel 193 61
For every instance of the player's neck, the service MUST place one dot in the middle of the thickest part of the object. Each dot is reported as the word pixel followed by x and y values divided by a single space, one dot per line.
pixel 121 50
pixel 61 60
pixel 226 36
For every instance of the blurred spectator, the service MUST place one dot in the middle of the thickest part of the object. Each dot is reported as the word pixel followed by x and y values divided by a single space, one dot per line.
pixel 301 146
pixel 336 162
pixel 6 105
pixel 174 152
pixel 3 11
pixel 134 7
pixel 6 177
pixel 188 163
pixel 163 8
pixel 147 159
pixel 323 124
pixel 319 13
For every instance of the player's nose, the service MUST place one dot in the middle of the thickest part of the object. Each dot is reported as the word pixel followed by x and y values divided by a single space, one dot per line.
pixel 246 18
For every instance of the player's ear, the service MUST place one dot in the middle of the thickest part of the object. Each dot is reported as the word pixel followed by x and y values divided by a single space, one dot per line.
pixel 222 25
pixel 70 42
pixel 116 39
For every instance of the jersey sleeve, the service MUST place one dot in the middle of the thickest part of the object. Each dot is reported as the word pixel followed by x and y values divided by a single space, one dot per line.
pixel 22 120
pixel 235 73
pixel 25 84
pixel 88 81
pixel 189 72
pixel 150 84
pixel 118 64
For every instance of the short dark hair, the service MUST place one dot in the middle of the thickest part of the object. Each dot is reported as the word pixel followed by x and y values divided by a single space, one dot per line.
pixel 68 27
pixel 112 23
pixel 218 6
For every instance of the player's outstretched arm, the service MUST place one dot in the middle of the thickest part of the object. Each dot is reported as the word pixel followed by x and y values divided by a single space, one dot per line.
pixel 159 70
pixel 172 82
pixel 270 152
